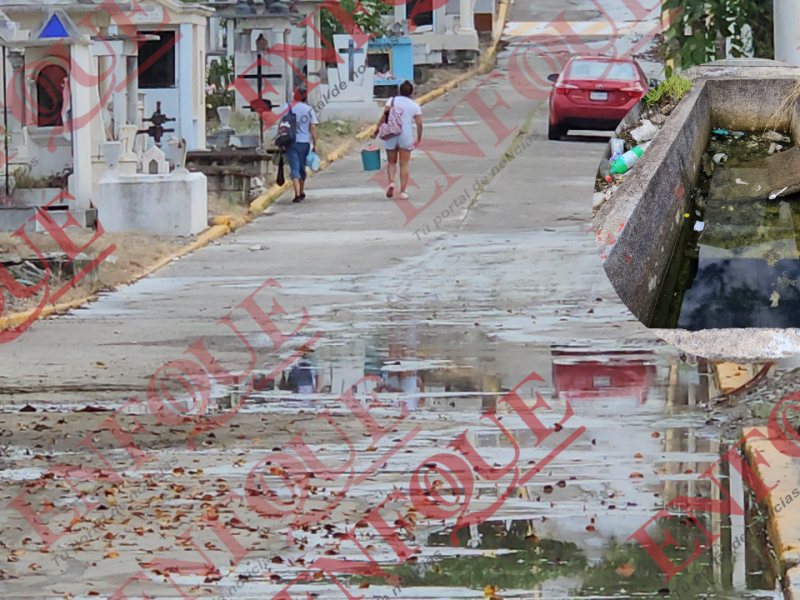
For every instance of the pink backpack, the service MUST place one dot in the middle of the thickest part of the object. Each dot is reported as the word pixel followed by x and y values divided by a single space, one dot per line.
pixel 392 125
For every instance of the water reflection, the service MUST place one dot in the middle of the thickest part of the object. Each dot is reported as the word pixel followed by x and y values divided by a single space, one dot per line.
pixel 564 534
pixel 736 262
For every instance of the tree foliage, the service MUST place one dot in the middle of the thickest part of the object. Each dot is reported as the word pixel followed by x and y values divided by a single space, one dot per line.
pixel 698 33
pixel 369 22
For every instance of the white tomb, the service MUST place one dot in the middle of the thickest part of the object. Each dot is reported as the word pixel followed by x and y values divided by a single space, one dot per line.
pixel 157 200
pixel 350 88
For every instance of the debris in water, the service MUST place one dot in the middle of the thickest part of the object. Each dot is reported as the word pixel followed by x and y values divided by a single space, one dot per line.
pixel 776 194
pixel 721 131
pixel 720 158
pixel 772 147
pixel 774 298
pixel 740 182
pixel 774 136
pixel 699 226
pixel 771 257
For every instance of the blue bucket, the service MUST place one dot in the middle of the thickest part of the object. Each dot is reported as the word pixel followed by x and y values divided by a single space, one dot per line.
pixel 371 159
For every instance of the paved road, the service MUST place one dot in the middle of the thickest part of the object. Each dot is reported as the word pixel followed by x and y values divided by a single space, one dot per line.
pixel 494 280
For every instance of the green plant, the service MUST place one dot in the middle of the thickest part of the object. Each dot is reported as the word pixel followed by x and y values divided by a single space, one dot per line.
pixel 369 22
pixel 671 90
pixel 700 28
pixel 244 124
pixel 219 76
pixel 23 179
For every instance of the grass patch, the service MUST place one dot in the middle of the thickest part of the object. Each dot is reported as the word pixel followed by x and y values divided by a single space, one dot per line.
pixel 784 113
pixel 670 90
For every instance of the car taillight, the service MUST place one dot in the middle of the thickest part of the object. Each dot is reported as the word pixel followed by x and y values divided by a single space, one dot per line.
pixel 634 88
pixel 561 88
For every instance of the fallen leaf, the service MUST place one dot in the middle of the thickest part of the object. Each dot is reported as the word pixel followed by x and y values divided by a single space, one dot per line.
pixel 625 570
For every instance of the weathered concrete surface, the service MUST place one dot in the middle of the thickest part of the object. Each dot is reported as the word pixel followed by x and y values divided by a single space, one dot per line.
pixel 780 471
pixel 735 345
pixel 636 228
pixel 783 170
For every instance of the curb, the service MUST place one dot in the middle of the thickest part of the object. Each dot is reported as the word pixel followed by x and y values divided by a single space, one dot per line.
pixel 783 526
pixel 223 225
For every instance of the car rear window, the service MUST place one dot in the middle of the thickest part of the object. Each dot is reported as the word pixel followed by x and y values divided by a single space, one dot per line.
pixel 595 69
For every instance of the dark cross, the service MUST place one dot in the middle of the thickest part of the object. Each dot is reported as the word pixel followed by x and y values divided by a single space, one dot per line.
pixel 156 130
pixel 261 104
pixel 351 52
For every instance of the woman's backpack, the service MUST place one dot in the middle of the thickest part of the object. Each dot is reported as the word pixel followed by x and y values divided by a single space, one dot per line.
pixel 287 130
pixel 392 125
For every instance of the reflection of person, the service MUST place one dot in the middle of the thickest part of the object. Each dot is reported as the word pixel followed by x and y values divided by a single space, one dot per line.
pixel 302 378
pixel 407 383
pixel 411 384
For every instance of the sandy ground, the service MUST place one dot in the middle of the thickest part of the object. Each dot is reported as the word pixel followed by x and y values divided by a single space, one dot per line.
pixel 133 253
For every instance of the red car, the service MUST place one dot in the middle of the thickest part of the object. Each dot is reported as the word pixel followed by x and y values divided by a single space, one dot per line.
pixel 594 92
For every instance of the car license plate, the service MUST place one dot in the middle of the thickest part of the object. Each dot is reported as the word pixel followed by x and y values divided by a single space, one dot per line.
pixel 598 96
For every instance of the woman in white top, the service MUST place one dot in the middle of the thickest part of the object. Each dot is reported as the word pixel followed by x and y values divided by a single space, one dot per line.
pixel 409 138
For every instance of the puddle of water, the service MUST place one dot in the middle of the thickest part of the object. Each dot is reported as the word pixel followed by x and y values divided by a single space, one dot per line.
pixel 742 268
pixel 564 533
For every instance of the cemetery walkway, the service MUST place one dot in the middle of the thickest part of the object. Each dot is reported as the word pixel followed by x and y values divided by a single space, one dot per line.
pixel 473 297
pixel 346 256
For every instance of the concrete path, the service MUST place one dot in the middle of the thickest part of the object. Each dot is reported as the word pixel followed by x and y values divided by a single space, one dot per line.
pixel 347 256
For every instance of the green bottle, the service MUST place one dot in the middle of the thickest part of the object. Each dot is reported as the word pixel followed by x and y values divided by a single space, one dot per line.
pixel 626 161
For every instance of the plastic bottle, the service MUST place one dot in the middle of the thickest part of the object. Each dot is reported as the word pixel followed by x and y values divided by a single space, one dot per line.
pixel 605 170
pixel 627 160
pixel 617 148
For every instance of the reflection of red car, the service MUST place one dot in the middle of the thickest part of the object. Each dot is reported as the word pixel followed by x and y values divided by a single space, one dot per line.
pixel 588 379
pixel 594 92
